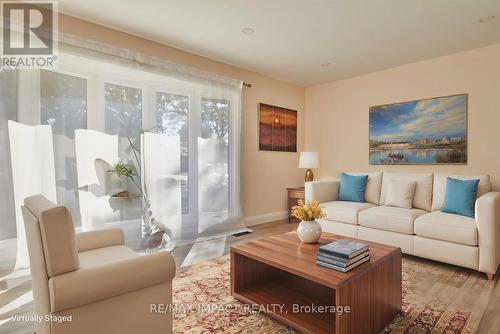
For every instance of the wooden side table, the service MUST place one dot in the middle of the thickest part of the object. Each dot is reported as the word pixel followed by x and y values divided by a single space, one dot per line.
pixel 294 194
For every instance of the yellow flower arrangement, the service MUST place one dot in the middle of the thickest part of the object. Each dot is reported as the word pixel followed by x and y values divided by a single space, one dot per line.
pixel 308 211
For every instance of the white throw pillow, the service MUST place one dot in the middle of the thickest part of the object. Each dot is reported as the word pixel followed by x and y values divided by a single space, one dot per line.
pixel 400 193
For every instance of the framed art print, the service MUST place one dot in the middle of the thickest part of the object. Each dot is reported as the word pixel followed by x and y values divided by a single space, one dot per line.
pixel 429 131
pixel 277 128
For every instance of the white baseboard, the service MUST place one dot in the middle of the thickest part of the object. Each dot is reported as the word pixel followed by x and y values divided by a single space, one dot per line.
pixel 265 218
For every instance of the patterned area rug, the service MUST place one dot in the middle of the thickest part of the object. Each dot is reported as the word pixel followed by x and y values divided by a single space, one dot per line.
pixel 437 298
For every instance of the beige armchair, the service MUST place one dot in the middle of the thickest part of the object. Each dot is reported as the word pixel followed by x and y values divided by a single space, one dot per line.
pixel 90 282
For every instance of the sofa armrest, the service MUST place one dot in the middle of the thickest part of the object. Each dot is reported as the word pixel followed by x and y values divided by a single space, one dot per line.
pixel 488 226
pixel 322 191
pixel 90 285
pixel 98 239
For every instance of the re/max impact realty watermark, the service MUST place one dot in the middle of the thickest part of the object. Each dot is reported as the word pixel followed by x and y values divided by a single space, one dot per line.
pixel 29 34
pixel 205 308
pixel 247 308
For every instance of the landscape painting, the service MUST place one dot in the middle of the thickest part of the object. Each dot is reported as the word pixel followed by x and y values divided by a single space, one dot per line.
pixel 430 131
pixel 277 129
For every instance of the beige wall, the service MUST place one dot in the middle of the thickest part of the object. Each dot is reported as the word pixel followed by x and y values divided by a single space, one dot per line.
pixel 337 112
pixel 336 122
pixel 264 175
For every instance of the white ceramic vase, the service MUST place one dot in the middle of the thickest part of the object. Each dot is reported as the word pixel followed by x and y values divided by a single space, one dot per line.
pixel 309 231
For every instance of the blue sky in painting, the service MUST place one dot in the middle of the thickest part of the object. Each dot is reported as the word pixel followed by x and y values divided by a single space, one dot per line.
pixel 432 118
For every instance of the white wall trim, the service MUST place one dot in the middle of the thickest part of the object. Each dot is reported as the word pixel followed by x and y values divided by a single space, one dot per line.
pixel 265 218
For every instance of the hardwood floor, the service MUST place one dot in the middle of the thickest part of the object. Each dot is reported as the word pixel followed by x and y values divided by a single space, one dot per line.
pixel 222 246
pixel 15 287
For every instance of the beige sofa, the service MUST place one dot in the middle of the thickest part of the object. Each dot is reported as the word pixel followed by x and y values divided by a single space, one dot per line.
pixel 91 282
pixel 424 230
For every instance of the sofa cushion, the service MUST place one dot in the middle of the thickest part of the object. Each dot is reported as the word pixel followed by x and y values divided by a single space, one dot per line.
pixel 322 191
pixel 423 190
pixel 344 212
pixel 439 188
pixel 390 218
pixel 401 240
pixel 373 185
pixel 447 227
pixel 352 187
pixel 400 193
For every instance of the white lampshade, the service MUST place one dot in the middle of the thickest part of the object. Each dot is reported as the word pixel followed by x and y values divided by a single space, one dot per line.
pixel 309 160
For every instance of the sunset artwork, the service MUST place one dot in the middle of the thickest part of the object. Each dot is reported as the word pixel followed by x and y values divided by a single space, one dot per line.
pixel 278 129
pixel 430 131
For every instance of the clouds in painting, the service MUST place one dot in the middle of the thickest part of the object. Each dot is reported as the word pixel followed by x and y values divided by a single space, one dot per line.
pixel 432 118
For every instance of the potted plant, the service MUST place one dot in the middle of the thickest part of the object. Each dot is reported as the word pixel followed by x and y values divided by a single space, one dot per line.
pixel 309 230
pixel 154 234
pixel 126 172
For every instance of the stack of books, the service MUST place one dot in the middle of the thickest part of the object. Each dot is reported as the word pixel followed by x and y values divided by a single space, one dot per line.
pixel 343 255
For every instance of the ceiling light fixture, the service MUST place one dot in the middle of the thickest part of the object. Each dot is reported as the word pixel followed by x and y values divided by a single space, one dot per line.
pixel 485 19
pixel 247 31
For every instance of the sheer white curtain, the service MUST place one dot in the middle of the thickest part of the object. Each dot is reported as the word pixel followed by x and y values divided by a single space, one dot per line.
pixel 177 125
pixel 161 171
pixel 95 153
pixel 200 110
pixel 33 173
pixel 63 106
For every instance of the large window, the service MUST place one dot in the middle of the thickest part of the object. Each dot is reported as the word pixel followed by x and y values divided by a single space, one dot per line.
pixel 63 105
pixel 215 173
pixel 123 114
pixel 172 120
pixel 192 150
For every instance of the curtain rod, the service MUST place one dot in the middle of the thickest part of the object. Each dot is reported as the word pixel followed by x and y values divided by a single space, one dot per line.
pixel 249 85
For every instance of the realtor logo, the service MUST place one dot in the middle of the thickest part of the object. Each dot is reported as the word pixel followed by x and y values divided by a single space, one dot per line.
pixel 28 34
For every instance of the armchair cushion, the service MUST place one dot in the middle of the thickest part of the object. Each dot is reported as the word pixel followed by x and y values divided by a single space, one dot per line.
pixel 104 256
pixel 96 283
pixel 98 239
pixel 58 235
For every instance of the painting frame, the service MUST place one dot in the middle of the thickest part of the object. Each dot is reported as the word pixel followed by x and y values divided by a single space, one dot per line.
pixel 455 154
pixel 286 138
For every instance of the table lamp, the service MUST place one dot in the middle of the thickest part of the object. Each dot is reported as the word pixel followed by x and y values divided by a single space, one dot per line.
pixel 309 160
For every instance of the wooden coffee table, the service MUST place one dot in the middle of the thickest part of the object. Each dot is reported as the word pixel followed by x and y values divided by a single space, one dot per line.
pixel 281 275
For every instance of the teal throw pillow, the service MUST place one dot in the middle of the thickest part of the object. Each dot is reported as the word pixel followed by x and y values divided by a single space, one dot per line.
pixel 352 187
pixel 460 197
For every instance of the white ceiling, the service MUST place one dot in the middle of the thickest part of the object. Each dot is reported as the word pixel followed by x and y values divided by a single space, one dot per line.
pixel 294 37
